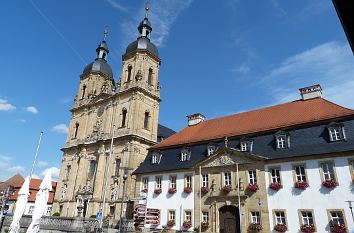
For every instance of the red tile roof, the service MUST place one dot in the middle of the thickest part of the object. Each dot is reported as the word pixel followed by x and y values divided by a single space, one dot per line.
pixel 270 118
pixel 34 188
pixel 16 181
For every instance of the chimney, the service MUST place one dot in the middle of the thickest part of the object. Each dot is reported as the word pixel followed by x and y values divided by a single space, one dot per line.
pixel 311 92
pixel 195 119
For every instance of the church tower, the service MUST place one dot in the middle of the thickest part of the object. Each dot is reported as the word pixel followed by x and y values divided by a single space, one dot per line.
pixel 125 114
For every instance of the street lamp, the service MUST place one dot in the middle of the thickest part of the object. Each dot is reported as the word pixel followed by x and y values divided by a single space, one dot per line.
pixel 125 177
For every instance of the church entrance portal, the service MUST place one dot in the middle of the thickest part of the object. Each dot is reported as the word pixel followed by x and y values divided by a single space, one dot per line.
pixel 229 218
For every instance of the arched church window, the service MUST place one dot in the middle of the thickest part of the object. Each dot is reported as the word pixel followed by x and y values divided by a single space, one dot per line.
pixel 150 77
pixel 129 73
pixel 83 91
pixel 76 129
pixel 124 117
pixel 146 120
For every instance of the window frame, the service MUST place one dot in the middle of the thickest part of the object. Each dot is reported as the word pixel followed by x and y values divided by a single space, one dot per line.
pixel 329 215
pixel 158 185
pixel 270 172
pixel 351 167
pixel 185 155
pixel 185 215
pixel 229 178
pixel 301 217
pixel 170 185
pixel 117 167
pixel 156 158
pixel 295 174
pixel 258 218
pixel 322 173
pixel 188 184
pixel 275 221
pixel 169 211
pixel 91 176
pixel 246 145
pixel 207 216
pixel 252 176
pixel 211 150
pixel 205 183
pixel 282 141
pixel 144 183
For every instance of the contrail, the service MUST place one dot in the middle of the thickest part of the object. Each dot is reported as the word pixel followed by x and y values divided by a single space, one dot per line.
pixel 58 32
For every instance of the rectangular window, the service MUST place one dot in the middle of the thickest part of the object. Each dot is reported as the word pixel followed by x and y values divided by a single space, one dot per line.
pixel 49 211
pixel 158 180
pixel 252 176
pixel 154 159
pixel 245 146
pixel 205 216
pixel 188 216
pixel 116 173
pixel 300 174
pixel 281 142
pixel 184 155
pixel 335 134
pixel 337 217
pixel 188 181
pixel 275 175
pixel 173 183
pixel 145 183
pixel 112 209
pixel 227 178
pixel 307 218
pixel 171 215
pixel 255 217
pixel 92 169
pixel 280 217
pixel 328 171
pixel 211 150
pixel 31 209
pixel 205 180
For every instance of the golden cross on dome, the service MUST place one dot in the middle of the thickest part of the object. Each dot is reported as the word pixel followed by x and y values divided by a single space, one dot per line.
pixel 105 33
pixel 147 9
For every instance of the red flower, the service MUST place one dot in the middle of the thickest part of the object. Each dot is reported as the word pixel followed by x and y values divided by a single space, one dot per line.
pixel 205 226
pixel 330 184
pixel 187 224
pixel 144 190
pixel 275 186
pixel 252 188
pixel 255 227
pixel 338 228
pixel 171 223
pixel 301 185
pixel 226 188
pixel 307 228
pixel 280 228
pixel 187 189
pixel 172 190
pixel 157 191
pixel 204 190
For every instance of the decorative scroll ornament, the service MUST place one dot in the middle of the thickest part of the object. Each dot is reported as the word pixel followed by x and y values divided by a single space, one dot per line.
pixel 221 161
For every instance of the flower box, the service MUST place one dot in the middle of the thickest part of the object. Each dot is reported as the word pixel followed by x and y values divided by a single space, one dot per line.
pixel 204 190
pixel 255 227
pixel 172 190
pixel 144 190
pixel 252 188
pixel 226 189
pixel 308 228
pixel 205 226
pixel 275 186
pixel 330 184
pixel 280 228
pixel 301 185
pixel 187 190
pixel 158 191
pixel 339 228
pixel 171 223
pixel 187 224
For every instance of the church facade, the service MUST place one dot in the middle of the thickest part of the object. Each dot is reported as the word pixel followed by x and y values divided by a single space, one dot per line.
pixel 124 115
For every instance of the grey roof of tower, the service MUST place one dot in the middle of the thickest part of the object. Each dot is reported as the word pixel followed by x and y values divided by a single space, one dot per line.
pixel 142 43
pixel 101 66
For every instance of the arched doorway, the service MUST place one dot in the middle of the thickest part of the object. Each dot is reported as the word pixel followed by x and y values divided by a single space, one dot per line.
pixel 229 219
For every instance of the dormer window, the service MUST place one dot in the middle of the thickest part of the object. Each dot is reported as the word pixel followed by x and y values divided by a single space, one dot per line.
pixel 185 155
pixel 246 145
pixel 156 158
pixel 211 149
pixel 336 132
pixel 282 140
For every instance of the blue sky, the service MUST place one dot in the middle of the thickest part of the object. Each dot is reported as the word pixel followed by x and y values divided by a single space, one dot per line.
pixel 218 58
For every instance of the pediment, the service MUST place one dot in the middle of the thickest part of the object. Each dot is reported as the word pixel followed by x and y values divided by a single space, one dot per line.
pixel 227 159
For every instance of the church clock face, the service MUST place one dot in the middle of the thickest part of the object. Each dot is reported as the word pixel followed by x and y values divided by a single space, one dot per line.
pixel 100 111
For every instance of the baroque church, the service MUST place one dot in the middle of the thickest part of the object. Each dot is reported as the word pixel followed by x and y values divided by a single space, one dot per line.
pixel 124 114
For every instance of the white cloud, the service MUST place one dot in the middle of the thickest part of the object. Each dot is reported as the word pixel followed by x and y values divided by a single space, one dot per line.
pixel 32 109
pixel 43 164
pixel 22 120
pixel 243 69
pixel 61 128
pixel 117 5
pixel 55 173
pixel 329 64
pixel 5 106
pixel 16 169
pixel 162 15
